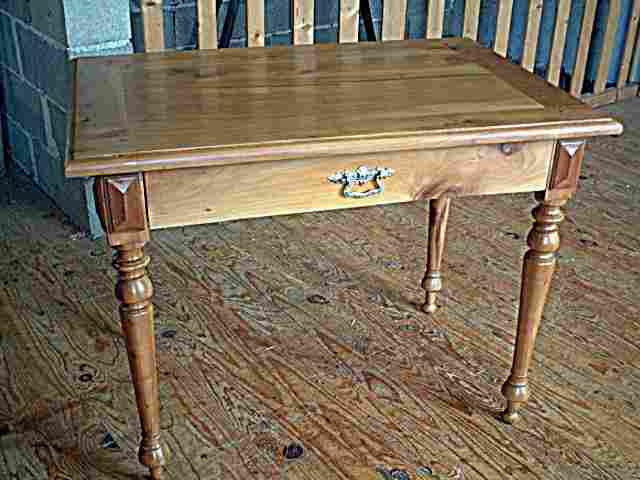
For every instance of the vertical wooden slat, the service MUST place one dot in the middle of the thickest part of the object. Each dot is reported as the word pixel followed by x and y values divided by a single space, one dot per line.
pixel 503 27
pixel 607 46
pixel 349 18
pixel 629 44
pixel 533 32
pixel 435 19
pixel 393 19
pixel 152 24
pixel 580 67
pixel 471 18
pixel 255 23
pixel 303 22
pixel 559 40
pixel 207 24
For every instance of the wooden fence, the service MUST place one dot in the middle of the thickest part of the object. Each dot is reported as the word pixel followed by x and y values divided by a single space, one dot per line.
pixel 599 91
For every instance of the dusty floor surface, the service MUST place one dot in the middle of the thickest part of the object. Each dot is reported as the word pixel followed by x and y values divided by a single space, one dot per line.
pixel 305 329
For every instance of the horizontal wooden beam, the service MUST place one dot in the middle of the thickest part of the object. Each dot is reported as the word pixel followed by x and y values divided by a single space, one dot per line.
pixel 610 95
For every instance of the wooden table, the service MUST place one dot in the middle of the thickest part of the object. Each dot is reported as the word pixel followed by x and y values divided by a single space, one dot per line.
pixel 182 138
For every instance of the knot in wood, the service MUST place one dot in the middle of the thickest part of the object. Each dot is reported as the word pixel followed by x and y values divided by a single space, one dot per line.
pixel 510 148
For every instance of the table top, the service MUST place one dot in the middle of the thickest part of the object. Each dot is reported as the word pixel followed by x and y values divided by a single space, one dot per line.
pixel 167 110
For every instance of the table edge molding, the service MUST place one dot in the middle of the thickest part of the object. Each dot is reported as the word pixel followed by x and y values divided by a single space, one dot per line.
pixel 330 147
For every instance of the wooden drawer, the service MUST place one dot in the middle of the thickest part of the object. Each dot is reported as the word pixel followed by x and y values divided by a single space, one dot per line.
pixel 213 194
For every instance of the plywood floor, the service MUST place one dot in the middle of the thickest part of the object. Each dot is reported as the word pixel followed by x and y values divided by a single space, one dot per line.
pixel 304 329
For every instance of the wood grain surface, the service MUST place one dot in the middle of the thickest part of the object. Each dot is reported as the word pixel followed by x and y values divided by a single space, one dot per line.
pixel 629 45
pixel 503 27
pixel 534 18
pixel 349 20
pixel 303 21
pixel 207 24
pixel 471 19
pixel 559 41
pixel 255 23
pixel 306 329
pixel 435 18
pixel 394 20
pixel 275 103
pixel 213 194
pixel 153 25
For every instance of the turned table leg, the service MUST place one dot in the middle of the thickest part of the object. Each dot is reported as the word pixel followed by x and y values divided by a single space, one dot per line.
pixel 134 290
pixel 539 263
pixel 121 205
pixel 432 281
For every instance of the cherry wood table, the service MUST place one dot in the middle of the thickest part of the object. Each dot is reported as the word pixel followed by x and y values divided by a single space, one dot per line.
pixel 180 138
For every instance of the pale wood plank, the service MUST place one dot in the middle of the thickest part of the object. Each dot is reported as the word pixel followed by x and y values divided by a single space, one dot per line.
pixel 630 42
pixel 531 38
pixel 152 24
pixel 577 80
pixel 471 19
pixel 255 23
pixel 303 22
pixel 207 24
pixel 607 46
pixel 435 19
pixel 192 196
pixel 559 41
pixel 393 20
pixel 503 27
pixel 349 19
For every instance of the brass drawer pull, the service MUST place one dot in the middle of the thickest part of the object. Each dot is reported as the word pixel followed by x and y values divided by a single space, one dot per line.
pixel 360 176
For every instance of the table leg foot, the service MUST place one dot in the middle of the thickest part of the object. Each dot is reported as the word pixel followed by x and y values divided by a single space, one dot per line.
pixel 516 395
pixel 152 456
pixel 432 282
pixel 430 305
pixel 538 267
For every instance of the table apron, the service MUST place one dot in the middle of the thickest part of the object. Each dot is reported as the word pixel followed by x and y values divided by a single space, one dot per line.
pixel 212 194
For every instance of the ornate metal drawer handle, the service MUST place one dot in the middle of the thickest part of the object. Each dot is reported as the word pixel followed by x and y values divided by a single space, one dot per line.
pixel 360 176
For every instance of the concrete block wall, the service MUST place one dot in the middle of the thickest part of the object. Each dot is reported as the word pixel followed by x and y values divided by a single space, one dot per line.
pixel 38 40
pixel 35 95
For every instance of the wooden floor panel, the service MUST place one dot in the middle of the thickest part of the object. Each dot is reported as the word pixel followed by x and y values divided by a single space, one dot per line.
pixel 305 329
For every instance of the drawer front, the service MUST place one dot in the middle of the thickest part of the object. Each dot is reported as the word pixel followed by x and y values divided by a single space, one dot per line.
pixel 212 194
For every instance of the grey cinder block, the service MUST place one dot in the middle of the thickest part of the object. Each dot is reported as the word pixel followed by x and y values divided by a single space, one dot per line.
pixel 46 65
pixel 22 103
pixel 20 147
pixel 8 54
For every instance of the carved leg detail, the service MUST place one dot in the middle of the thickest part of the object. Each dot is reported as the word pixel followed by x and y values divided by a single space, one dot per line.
pixel 134 290
pixel 539 263
pixel 432 282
